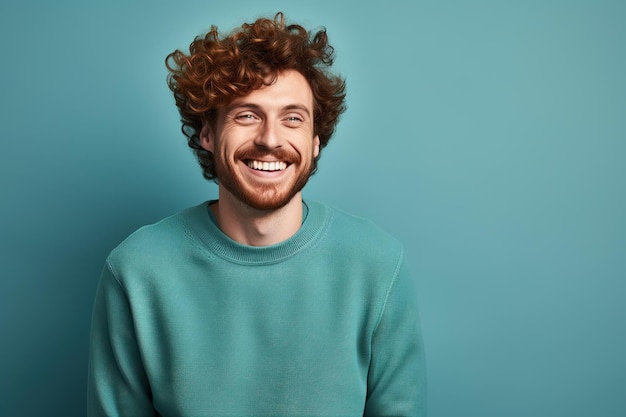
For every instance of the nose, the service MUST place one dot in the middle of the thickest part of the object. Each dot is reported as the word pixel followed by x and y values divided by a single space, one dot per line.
pixel 268 137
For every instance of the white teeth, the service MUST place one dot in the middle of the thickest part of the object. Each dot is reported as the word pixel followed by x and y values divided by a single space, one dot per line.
pixel 267 166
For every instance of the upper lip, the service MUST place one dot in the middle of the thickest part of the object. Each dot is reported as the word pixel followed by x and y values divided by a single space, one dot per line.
pixel 264 160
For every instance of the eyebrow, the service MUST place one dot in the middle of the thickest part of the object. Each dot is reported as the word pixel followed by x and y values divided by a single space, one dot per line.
pixel 254 106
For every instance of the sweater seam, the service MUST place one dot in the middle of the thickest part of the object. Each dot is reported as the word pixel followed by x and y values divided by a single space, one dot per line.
pixel 395 275
pixel 114 275
pixel 123 288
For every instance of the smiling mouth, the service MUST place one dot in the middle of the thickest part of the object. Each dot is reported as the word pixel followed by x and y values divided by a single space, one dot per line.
pixel 267 166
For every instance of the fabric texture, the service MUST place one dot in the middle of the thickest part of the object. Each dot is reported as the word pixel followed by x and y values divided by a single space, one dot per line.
pixel 188 322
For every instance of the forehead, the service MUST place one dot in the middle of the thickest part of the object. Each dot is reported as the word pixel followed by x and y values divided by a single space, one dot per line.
pixel 289 89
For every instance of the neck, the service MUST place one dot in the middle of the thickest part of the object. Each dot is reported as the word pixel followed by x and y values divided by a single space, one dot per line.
pixel 252 227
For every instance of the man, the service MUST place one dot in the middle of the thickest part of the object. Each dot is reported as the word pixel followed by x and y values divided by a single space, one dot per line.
pixel 258 303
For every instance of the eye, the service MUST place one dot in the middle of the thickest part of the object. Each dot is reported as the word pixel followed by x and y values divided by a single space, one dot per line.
pixel 246 118
pixel 293 120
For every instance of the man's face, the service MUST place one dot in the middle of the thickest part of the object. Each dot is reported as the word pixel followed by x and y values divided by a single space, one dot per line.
pixel 264 144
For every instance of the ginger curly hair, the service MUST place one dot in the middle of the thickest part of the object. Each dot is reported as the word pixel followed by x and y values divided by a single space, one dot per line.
pixel 218 70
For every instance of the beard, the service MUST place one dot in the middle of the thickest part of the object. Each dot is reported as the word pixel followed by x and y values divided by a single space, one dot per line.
pixel 263 197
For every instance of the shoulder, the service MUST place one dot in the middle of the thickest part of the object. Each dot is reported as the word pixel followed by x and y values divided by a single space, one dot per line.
pixel 359 236
pixel 156 241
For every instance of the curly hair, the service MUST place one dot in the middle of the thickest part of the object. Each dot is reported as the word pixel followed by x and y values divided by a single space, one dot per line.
pixel 218 70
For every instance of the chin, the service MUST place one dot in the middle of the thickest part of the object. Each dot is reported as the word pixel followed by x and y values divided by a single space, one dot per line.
pixel 266 203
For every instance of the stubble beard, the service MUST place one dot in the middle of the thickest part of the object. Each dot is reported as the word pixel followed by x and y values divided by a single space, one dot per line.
pixel 262 197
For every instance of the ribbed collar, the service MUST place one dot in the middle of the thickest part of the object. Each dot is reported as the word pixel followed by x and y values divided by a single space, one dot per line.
pixel 317 218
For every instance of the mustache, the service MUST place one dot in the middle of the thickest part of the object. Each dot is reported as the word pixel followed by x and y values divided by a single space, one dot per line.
pixel 259 152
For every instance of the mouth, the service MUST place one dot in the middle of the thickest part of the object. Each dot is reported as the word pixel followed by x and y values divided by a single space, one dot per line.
pixel 266 166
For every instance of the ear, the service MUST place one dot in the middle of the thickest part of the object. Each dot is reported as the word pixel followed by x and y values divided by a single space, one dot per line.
pixel 316 146
pixel 207 138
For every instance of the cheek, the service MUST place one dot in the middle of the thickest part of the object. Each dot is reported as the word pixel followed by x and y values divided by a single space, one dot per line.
pixel 225 151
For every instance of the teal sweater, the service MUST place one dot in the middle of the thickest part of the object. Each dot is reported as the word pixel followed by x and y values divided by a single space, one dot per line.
pixel 188 322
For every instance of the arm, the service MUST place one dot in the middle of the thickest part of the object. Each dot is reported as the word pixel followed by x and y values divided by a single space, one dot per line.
pixel 396 383
pixel 117 382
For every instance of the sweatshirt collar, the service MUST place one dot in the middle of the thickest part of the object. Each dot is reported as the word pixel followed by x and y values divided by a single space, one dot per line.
pixel 316 219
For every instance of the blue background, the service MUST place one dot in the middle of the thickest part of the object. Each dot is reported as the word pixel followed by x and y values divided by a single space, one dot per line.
pixel 489 136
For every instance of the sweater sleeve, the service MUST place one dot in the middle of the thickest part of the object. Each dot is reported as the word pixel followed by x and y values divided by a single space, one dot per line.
pixel 117 382
pixel 397 373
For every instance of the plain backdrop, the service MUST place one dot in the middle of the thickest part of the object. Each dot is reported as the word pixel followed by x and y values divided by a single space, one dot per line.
pixel 488 136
